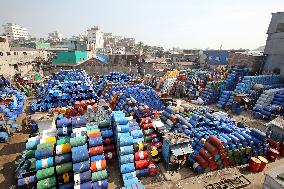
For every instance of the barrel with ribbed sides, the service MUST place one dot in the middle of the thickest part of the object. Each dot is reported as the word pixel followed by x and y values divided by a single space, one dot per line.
pixel 98 165
pixel 127 168
pixel 105 123
pixel 85 185
pixel 106 133
pixel 45 173
pixel 48 139
pixel 45 145
pixel 78 141
pixel 96 150
pixel 30 154
pixel 120 120
pixel 63 148
pixel 129 158
pixel 63 131
pixel 81 166
pixel 142 172
pixel 140 146
pixel 82 177
pixel 126 150
pixel 95 141
pixel 125 141
pixel 32 145
pixel 103 184
pixel 44 153
pixel 80 153
pixel 130 182
pixel 44 163
pixel 140 164
pixel 97 157
pixel 141 155
pixel 46 183
pixel 64 158
pixel 27 181
pixel 78 121
pixel 64 122
pixel 63 140
pixel 63 168
pixel 131 175
pixel 99 175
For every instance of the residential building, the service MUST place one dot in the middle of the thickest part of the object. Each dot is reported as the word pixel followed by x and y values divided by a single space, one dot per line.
pixel 95 35
pixel 55 37
pixel 275 45
pixel 18 59
pixel 76 44
pixel 39 45
pixel 15 32
pixel 69 57
pixel 118 50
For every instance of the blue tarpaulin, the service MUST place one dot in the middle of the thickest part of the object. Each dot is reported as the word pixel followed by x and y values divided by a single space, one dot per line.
pixel 103 58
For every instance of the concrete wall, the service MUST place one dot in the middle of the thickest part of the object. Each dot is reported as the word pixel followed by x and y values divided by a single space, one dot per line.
pixel 19 61
pixel 275 44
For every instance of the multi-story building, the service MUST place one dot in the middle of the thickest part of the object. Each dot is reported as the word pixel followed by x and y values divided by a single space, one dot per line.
pixel 15 32
pixel 18 59
pixel 55 37
pixel 95 35
pixel 275 45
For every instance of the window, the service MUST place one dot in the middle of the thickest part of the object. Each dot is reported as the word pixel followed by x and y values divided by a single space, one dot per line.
pixel 24 53
pixel 15 53
pixel 280 27
pixel 1 54
pixel 8 53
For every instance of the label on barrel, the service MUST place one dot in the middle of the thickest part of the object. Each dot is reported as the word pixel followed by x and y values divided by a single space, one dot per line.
pixel 64 130
pixel 141 154
pixel 44 163
pixel 99 165
pixel 76 179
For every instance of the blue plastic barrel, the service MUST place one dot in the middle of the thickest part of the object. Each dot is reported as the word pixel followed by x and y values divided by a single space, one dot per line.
pixel 27 181
pixel 64 158
pixel 126 150
pixel 44 163
pixel 125 141
pixel 66 186
pixel 123 128
pixel 97 157
pixel 127 168
pixel 80 154
pixel 63 122
pixel 136 134
pixel 142 172
pixel 127 159
pixel 86 185
pixel 95 141
pixel 120 120
pixel 79 121
pixel 81 167
pixel 43 153
pixel 130 182
pixel 106 133
pixel 103 184
pixel 82 177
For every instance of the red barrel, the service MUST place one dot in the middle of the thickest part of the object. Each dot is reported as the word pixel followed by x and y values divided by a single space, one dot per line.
pixel 140 155
pixel 154 135
pixel 173 118
pixel 224 155
pixel 152 169
pixel 205 154
pixel 281 150
pixel 213 166
pixel 272 154
pixel 212 149
pixel 158 145
pixel 216 142
pixel 254 164
pixel 141 164
pixel 96 150
pixel 263 163
pixel 107 141
pixel 95 135
pixel 273 143
pixel 109 148
pixel 201 161
pixel 98 165
pixel 147 126
pixel 145 120
pixel 226 162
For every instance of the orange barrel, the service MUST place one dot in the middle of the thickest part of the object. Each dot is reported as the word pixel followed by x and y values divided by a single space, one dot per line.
pixel 98 165
pixel 96 150
pixel 140 155
pixel 94 135
pixel 212 149
pixel 273 143
pixel 62 110
pixel 201 161
pixel 152 168
pixel 263 164
pixel 141 164
pixel 254 164
pixel 205 154
pixel 216 142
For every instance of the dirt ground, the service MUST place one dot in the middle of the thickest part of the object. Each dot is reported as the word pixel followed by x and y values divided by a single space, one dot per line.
pixel 185 178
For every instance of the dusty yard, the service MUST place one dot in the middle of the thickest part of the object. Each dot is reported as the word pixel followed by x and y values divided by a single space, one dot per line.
pixel 185 178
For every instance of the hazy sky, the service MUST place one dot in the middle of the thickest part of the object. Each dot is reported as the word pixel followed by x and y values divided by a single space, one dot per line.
pixel 167 23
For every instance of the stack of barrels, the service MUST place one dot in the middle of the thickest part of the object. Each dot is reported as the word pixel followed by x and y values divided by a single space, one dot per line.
pixel 45 163
pixel 96 152
pixel 63 162
pixel 211 156
pixel 64 127
pixel 107 138
pixel 124 145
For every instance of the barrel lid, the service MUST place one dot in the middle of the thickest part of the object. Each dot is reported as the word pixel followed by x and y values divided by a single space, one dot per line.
pixel 262 159
pixel 254 159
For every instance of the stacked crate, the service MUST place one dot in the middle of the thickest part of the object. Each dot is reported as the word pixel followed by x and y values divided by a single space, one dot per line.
pixel 96 152
pixel 124 145
pixel 45 163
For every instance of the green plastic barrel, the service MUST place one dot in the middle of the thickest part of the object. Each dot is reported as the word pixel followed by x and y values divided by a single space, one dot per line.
pixel 45 145
pixel 78 141
pixel 63 168
pixel 99 175
pixel 33 164
pixel 30 154
pixel 47 183
pixel 64 140
pixel 147 138
pixel 45 173
pixel 105 123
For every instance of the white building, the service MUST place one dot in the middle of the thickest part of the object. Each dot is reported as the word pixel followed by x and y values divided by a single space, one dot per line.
pixel 15 32
pixel 95 35
pixel 55 37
